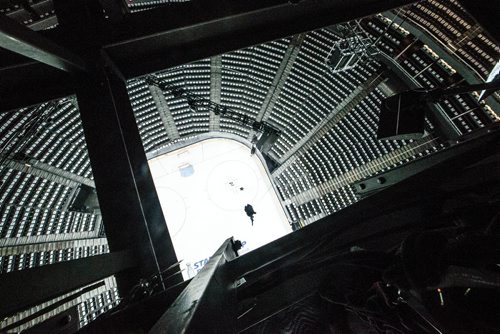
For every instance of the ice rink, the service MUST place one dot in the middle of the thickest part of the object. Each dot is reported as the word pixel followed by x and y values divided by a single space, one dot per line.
pixel 203 189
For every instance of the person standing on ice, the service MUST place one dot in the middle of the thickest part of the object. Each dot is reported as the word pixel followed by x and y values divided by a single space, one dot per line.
pixel 250 212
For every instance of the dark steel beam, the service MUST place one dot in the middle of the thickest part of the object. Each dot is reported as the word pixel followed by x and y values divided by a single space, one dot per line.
pixel 53 306
pixel 28 83
pixel 212 27
pixel 138 317
pixel 25 82
pixel 146 42
pixel 131 211
pixel 24 41
pixel 173 35
pixel 208 303
pixel 370 185
pixel 65 322
pixel 26 288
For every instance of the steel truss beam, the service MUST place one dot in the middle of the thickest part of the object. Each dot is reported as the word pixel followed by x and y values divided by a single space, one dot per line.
pixel 48 172
pixel 49 238
pixel 198 29
pixel 131 211
pixel 210 292
pixel 28 248
pixel 26 42
pixel 372 167
pixel 25 82
pixel 147 42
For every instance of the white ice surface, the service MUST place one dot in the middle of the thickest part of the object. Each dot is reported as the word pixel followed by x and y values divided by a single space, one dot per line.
pixel 206 208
